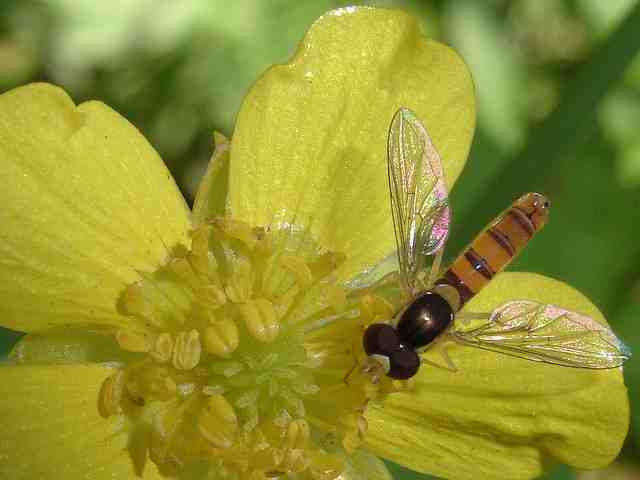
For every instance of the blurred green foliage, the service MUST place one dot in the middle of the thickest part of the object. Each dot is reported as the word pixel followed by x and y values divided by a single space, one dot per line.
pixel 558 85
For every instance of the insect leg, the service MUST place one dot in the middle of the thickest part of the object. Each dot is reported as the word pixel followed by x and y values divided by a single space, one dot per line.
pixel 348 375
pixel 372 368
pixel 444 353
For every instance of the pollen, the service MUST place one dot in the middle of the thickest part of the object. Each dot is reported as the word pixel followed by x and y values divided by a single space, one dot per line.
pixel 246 352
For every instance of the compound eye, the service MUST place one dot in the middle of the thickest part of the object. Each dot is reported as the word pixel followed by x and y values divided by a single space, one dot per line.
pixel 380 339
pixel 404 364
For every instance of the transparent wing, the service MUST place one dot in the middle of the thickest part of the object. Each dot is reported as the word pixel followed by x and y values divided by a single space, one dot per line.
pixel 546 333
pixel 419 203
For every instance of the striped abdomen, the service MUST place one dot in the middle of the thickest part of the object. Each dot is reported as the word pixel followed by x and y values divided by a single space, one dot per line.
pixel 496 246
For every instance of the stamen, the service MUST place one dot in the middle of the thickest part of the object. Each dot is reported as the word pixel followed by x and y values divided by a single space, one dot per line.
pixel 135 303
pixel 326 264
pixel 268 459
pixel 182 268
pixel 187 350
pixel 261 319
pixel 165 425
pixel 243 353
pixel 376 309
pixel 132 341
pixel 162 350
pixel 336 297
pixel 218 423
pixel 240 284
pixel 299 269
pixel 111 395
pixel 357 425
pixel 295 461
pixel 325 466
pixel 221 337
pixel 200 241
pixel 211 295
pixel 264 244
pixel 298 434
pixel 239 230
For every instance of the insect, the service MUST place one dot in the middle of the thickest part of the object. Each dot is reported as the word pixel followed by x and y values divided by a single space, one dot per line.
pixel 521 328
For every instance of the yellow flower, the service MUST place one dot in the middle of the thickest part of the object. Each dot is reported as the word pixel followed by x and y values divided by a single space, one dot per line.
pixel 215 343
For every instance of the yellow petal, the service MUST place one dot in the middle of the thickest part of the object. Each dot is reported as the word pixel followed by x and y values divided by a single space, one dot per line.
pixel 212 193
pixel 51 427
pixel 310 142
pixel 86 202
pixel 503 417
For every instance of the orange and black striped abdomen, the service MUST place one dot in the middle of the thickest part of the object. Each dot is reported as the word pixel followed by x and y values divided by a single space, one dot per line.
pixel 496 246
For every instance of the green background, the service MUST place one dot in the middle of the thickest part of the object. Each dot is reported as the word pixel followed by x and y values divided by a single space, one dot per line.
pixel 558 85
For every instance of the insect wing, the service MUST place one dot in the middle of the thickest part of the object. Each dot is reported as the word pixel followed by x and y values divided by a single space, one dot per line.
pixel 546 333
pixel 419 201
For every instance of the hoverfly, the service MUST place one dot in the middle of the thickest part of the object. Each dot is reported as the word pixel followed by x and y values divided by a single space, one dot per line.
pixel 521 328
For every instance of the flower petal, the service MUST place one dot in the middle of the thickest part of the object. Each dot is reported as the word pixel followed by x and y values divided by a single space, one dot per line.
pixel 86 202
pixel 51 427
pixel 310 142
pixel 211 198
pixel 503 417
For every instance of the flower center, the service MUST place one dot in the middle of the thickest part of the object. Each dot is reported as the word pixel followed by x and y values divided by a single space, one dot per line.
pixel 246 352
